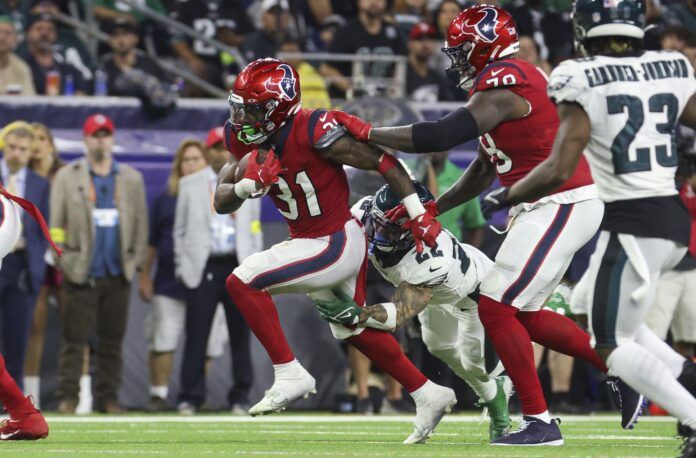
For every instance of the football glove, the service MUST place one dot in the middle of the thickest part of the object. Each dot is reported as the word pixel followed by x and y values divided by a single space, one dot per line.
pixel 342 310
pixel 424 228
pixel 258 177
pixel 494 201
pixel 359 129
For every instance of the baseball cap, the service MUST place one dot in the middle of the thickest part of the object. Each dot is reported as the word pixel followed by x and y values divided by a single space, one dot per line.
pixel 97 122
pixel 214 136
pixel 422 30
pixel 268 4
pixel 34 18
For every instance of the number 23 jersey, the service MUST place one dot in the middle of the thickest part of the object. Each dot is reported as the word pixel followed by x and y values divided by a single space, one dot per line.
pixel 312 193
pixel 633 104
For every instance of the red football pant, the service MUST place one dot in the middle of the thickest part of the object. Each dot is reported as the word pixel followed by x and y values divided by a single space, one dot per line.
pixel 261 315
pixel 512 332
pixel 383 350
pixel 10 395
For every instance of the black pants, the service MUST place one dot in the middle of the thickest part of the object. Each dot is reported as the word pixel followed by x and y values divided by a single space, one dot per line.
pixel 201 304
pixel 17 301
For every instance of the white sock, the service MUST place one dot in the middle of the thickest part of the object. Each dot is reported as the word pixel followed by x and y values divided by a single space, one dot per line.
pixel 646 338
pixel 421 393
pixel 280 368
pixel 84 405
pixel 544 416
pixel 486 390
pixel 32 387
pixel 646 374
pixel 160 391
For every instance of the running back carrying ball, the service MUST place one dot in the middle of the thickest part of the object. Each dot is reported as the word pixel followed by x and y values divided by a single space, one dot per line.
pixel 261 160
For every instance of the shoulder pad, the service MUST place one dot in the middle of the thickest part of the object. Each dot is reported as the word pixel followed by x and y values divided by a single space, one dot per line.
pixel 324 129
pixel 430 272
pixel 568 83
pixel 503 73
pixel 360 208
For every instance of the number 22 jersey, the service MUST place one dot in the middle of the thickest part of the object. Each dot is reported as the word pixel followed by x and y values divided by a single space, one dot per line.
pixel 312 193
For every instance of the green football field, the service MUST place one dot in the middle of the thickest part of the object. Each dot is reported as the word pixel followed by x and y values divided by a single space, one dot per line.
pixel 302 435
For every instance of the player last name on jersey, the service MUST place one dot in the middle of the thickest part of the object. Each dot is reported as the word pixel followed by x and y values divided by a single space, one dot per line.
pixel 661 69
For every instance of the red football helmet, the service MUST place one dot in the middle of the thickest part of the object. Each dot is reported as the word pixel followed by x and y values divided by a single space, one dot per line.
pixel 265 95
pixel 477 36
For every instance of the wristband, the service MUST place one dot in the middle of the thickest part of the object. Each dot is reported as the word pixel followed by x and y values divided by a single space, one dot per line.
pixel 413 205
pixel 245 188
pixel 386 163
pixel 390 324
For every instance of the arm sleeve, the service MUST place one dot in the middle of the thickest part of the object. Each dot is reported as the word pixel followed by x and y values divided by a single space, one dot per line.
pixel 454 129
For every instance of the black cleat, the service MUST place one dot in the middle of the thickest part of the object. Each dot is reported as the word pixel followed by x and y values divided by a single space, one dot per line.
pixel 532 432
pixel 688 448
pixel 628 400
pixel 688 380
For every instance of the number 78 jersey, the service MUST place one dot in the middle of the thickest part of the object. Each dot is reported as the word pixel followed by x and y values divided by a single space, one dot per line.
pixel 633 104
pixel 311 193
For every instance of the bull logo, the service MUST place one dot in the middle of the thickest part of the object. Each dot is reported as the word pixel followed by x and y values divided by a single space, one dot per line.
pixel 486 25
pixel 285 87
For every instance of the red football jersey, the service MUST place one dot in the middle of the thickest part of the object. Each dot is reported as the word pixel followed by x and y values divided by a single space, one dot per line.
pixel 517 146
pixel 312 193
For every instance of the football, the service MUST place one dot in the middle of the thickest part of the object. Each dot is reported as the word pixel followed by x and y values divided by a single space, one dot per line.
pixel 238 172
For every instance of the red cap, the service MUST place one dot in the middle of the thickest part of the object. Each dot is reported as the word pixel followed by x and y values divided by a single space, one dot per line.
pixel 422 30
pixel 214 136
pixel 96 123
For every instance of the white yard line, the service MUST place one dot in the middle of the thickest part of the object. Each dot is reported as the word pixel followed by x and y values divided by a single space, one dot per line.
pixel 315 419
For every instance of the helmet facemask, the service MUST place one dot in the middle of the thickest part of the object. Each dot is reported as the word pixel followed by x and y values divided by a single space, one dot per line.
pixel 385 235
pixel 251 121
pixel 461 69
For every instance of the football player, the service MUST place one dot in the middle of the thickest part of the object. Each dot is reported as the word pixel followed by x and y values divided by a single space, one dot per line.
pixel 620 106
pixel 440 286
pixel 517 123
pixel 25 422
pixel 303 173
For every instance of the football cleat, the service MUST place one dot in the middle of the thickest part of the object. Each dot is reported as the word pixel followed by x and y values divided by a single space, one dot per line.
pixel 28 424
pixel 688 447
pixel 497 408
pixel 533 432
pixel 629 401
pixel 291 383
pixel 432 403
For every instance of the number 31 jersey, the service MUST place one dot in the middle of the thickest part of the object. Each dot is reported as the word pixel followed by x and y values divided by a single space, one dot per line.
pixel 312 193
pixel 633 104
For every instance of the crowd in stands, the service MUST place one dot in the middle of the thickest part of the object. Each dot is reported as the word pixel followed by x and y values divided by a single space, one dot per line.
pixel 40 53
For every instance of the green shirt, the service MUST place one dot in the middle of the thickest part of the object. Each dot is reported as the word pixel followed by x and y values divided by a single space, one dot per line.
pixel 468 213
pixel 123 8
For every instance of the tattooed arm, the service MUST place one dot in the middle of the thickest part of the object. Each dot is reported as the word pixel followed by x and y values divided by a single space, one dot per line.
pixel 409 301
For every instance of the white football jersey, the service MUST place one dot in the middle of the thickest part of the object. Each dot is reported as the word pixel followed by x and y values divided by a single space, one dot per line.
pixel 453 269
pixel 634 104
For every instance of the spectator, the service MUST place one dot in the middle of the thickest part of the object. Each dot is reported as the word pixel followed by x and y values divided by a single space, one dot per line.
pixel 529 51
pixel 203 260
pixel 443 15
pixel 552 31
pixel 102 253
pixel 328 29
pixel 275 18
pixel 165 323
pixel 312 85
pixel 22 270
pixel 15 75
pixel 225 21
pixel 126 60
pixel 408 13
pixel 45 163
pixel 466 222
pixel 423 84
pixel 681 14
pixel 47 64
pixel 368 34
pixel 674 38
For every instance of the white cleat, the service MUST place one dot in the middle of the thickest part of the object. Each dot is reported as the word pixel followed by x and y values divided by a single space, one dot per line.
pixel 432 403
pixel 291 383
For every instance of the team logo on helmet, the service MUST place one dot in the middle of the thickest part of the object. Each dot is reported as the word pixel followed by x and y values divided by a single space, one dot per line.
pixel 285 88
pixel 485 27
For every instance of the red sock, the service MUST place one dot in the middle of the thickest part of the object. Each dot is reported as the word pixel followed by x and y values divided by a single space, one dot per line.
pixel 560 333
pixel 383 350
pixel 260 313
pixel 514 348
pixel 10 395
